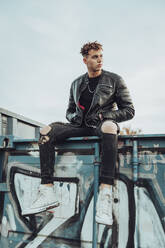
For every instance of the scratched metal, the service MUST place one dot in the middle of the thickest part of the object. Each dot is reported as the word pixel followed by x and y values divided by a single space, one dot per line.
pixel 138 207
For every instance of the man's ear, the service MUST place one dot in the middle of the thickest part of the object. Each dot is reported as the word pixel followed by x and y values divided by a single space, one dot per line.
pixel 85 60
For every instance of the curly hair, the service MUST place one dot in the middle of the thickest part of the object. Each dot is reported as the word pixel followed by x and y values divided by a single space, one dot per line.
pixel 88 46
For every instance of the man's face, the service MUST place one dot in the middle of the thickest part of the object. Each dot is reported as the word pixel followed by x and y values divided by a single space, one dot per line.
pixel 94 60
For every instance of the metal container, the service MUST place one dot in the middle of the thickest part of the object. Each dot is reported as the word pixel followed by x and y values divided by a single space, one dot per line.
pixel 138 194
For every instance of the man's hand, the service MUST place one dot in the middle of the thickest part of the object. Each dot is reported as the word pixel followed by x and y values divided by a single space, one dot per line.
pixel 101 117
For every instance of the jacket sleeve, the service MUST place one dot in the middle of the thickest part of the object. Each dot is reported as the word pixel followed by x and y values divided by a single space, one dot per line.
pixel 71 110
pixel 124 103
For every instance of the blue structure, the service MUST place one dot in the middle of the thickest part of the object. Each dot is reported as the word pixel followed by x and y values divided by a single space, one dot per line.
pixel 138 194
pixel 18 125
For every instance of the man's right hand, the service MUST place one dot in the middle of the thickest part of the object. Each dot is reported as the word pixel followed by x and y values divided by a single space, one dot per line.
pixel 101 117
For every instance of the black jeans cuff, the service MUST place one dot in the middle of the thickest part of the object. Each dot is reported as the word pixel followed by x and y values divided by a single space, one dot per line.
pixel 46 180
pixel 106 180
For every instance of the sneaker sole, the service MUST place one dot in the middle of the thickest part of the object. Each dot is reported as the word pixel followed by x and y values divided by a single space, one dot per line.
pixel 103 222
pixel 39 210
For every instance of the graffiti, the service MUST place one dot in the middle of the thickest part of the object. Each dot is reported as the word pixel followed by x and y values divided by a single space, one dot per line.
pixel 147 220
pixel 138 208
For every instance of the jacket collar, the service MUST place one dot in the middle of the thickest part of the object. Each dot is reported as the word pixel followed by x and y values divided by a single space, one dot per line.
pixel 86 79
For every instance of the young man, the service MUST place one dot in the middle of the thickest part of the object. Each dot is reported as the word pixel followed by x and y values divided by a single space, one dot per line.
pixel 98 101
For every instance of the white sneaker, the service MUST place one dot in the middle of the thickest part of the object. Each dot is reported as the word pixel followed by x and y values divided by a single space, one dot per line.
pixel 104 207
pixel 45 200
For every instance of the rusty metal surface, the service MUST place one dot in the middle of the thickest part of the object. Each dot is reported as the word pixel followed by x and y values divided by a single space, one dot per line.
pixel 138 194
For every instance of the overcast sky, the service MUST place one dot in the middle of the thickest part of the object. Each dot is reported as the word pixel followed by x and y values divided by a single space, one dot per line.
pixel 40 43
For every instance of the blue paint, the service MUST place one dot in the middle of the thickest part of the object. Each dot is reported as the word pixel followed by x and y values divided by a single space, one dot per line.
pixel 135 161
pixel 96 185
pixel 141 160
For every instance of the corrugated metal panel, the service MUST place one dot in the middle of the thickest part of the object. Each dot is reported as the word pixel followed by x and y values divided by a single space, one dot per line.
pixel 4 125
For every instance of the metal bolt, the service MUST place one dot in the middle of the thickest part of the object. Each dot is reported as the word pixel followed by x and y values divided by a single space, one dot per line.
pixel 116 200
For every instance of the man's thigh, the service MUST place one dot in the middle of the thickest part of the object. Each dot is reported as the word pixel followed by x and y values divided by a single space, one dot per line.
pixel 61 131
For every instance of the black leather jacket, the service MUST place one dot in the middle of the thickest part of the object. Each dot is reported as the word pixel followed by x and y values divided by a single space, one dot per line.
pixel 111 99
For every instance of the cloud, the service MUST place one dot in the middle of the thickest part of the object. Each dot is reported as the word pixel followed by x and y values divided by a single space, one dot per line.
pixel 40 45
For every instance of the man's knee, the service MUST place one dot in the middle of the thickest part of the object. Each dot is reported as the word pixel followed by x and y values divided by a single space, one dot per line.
pixel 109 127
pixel 45 130
pixel 44 135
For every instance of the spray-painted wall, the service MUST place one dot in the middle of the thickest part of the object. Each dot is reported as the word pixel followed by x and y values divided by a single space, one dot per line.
pixel 138 195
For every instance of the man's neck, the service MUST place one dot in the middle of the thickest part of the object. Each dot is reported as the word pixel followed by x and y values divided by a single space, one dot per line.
pixel 94 74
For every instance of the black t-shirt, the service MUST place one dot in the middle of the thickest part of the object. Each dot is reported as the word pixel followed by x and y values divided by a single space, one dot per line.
pixel 87 95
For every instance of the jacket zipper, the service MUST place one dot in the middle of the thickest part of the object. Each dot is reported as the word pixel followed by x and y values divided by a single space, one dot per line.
pixel 91 106
pixel 78 99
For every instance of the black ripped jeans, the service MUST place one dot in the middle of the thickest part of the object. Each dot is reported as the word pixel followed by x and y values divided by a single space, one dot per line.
pixel 61 131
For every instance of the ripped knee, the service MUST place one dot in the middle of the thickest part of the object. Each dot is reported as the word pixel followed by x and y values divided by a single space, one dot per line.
pixel 45 130
pixel 44 137
pixel 109 127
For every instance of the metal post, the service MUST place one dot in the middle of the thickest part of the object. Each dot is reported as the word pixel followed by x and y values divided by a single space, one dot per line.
pixel 0 124
pixel 135 161
pixel 96 186
pixel 136 189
